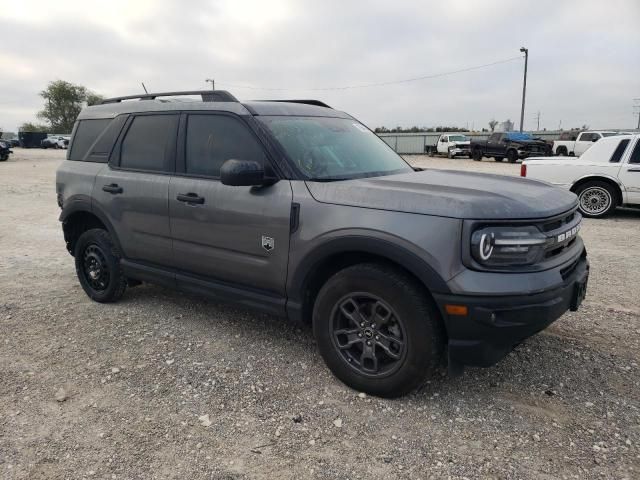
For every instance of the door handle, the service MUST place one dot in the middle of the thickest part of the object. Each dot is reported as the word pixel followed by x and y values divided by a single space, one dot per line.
pixel 113 188
pixel 633 169
pixel 190 198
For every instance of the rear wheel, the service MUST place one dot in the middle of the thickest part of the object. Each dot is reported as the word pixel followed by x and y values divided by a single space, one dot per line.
pixel 98 266
pixel 596 199
pixel 512 156
pixel 476 154
pixel 377 330
pixel 562 151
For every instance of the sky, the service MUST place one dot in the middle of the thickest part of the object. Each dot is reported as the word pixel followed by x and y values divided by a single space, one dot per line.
pixel 584 56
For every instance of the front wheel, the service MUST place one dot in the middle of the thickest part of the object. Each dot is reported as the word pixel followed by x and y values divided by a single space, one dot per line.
pixel 377 330
pixel 596 199
pixel 450 154
pixel 98 266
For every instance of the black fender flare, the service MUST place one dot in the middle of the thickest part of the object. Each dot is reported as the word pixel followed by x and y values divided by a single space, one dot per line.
pixel 84 203
pixel 298 280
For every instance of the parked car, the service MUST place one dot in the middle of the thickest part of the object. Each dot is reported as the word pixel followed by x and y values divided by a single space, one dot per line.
pixel 509 145
pixel 604 177
pixel 452 145
pixel 299 210
pixel 5 150
pixel 576 143
pixel 55 142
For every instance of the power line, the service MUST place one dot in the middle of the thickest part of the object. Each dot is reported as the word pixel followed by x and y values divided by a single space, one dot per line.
pixel 378 84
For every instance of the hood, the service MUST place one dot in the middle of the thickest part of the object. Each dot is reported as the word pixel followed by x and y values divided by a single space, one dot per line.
pixel 529 142
pixel 452 194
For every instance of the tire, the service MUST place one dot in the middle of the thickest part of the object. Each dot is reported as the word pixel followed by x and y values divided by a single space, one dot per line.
pixel 449 154
pixel 562 152
pixel 391 368
pixel 512 156
pixel 98 266
pixel 476 154
pixel 498 159
pixel 4 158
pixel 596 199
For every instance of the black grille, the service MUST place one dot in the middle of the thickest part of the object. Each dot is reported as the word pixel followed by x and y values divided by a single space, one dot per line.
pixel 556 230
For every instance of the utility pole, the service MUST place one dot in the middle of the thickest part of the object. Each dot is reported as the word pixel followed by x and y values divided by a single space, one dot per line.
pixel 213 83
pixel 636 108
pixel 537 117
pixel 524 84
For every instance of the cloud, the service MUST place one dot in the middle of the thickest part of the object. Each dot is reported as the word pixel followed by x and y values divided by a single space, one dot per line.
pixel 583 55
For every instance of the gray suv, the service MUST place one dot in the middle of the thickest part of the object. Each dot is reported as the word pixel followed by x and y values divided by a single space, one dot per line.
pixel 299 210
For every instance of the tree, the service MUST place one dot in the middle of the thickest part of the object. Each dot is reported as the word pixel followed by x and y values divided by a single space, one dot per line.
pixel 508 125
pixel 94 98
pixel 493 123
pixel 63 102
pixel 33 127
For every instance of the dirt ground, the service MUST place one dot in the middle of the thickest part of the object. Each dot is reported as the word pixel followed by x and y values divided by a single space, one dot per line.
pixel 165 385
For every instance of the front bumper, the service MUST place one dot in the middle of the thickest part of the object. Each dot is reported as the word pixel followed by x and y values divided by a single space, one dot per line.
pixel 495 325
pixel 522 153
pixel 461 151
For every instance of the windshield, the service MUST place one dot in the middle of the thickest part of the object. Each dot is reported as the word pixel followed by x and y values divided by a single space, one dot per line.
pixel 458 138
pixel 325 149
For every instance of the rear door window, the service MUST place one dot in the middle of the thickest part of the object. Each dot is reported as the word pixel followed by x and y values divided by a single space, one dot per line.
pixel 211 140
pixel 85 135
pixel 149 143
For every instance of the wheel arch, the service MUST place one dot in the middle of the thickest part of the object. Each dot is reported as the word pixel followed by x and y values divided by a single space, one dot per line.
pixel 326 260
pixel 614 182
pixel 81 216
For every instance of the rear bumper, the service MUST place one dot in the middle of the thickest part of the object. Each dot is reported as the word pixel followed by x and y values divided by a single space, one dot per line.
pixel 495 325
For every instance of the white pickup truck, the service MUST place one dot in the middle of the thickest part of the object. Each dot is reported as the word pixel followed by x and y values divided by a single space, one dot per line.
pixel 576 143
pixel 451 145
pixel 605 177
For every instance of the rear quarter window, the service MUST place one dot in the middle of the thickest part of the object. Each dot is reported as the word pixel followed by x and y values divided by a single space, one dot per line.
pixel 87 131
pixel 619 151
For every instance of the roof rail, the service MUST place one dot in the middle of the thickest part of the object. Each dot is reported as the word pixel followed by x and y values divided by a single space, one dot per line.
pixel 206 95
pixel 317 103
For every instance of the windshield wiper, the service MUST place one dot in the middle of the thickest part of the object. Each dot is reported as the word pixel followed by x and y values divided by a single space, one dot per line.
pixel 329 179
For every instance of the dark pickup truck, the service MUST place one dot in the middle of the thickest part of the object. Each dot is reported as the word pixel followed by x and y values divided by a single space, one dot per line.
pixel 509 145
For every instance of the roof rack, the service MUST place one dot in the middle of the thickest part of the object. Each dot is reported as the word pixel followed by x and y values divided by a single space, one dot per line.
pixel 317 103
pixel 206 95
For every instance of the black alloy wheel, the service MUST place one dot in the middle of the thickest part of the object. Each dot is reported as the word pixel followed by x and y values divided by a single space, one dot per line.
pixel 378 330
pixel 369 334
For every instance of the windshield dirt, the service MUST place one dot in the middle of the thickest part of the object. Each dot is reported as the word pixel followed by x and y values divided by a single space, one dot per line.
pixel 325 149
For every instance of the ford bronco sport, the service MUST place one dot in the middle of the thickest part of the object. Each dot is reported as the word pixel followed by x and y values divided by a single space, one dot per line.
pixel 299 210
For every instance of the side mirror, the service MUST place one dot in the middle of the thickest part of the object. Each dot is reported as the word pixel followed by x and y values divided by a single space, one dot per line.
pixel 239 173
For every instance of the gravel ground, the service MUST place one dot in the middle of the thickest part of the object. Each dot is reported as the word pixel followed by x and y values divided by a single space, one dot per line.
pixel 165 385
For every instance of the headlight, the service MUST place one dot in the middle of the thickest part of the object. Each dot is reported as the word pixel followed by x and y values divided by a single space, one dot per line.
pixel 506 246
